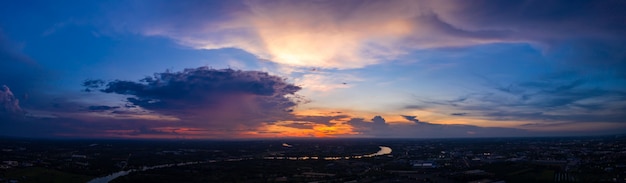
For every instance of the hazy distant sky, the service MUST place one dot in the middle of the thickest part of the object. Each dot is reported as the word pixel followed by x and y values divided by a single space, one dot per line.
pixel 312 68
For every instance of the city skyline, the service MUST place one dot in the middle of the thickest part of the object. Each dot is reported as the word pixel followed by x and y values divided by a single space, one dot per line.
pixel 338 69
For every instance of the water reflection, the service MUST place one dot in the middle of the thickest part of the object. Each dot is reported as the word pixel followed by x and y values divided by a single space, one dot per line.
pixel 384 150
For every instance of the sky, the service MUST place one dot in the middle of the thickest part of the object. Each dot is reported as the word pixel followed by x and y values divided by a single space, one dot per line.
pixel 195 69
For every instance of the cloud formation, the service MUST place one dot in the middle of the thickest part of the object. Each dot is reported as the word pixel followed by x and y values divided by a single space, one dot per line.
pixel 555 98
pixel 378 127
pixel 206 97
pixel 321 44
pixel 102 108
pixel 9 104
pixel 354 34
pixel 412 119
pixel 193 103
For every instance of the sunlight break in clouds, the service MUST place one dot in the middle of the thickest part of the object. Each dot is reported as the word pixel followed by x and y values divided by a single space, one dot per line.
pixel 355 34
pixel 326 34
pixel 323 34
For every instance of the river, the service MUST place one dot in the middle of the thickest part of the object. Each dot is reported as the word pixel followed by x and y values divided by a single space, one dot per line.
pixel 384 150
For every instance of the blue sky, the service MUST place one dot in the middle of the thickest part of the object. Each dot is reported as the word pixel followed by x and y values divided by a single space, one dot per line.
pixel 250 69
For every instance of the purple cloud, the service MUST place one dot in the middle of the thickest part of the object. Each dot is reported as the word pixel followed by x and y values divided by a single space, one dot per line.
pixel 381 129
pixel 386 29
pixel 9 104
pixel 203 97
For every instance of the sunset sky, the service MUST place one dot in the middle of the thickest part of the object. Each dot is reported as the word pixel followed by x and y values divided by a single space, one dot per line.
pixel 314 68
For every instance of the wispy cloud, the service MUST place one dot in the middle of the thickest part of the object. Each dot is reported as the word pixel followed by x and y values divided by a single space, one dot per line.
pixel 354 34
pixel 554 98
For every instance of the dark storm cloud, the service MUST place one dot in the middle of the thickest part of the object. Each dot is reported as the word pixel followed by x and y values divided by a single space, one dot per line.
pixel 380 128
pixel 222 97
pixel 200 102
pixel 201 86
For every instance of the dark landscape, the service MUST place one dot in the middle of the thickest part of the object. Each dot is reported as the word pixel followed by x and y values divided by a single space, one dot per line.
pixel 554 159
